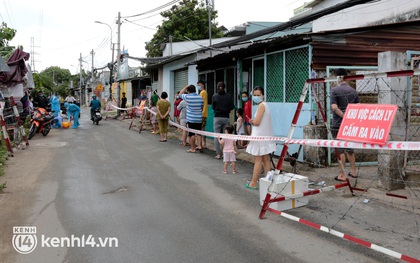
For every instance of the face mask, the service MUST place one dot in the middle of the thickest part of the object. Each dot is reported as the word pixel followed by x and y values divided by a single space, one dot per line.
pixel 244 99
pixel 199 88
pixel 257 99
pixel 177 97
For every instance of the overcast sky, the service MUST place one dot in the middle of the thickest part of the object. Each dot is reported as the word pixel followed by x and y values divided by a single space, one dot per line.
pixel 61 30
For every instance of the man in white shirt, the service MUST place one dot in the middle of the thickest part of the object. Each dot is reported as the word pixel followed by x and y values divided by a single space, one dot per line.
pixel 70 99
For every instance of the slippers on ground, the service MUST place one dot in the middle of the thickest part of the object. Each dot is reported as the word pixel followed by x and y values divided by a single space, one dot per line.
pixel 351 175
pixel 199 149
pixel 340 180
pixel 190 151
pixel 250 187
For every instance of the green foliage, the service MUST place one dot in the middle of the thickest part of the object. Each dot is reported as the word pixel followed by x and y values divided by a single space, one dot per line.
pixel 187 19
pixel 53 80
pixel 4 155
pixel 6 34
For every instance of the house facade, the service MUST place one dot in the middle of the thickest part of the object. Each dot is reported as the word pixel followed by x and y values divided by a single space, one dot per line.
pixel 282 61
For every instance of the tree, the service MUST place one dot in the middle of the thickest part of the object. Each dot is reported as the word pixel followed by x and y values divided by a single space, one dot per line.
pixel 188 20
pixel 53 80
pixel 6 34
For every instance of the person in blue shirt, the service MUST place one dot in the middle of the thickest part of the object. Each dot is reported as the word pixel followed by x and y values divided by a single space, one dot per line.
pixel 94 104
pixel 195 105
pixel 73 110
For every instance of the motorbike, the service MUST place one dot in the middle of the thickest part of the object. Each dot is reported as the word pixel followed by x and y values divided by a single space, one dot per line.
pixel 97 116
pixel 41 122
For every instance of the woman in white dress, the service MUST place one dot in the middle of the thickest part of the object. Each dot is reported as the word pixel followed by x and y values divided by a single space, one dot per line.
pixel 261 127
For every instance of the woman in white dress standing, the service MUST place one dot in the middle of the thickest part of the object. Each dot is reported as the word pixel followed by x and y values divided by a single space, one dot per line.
pixel 261 127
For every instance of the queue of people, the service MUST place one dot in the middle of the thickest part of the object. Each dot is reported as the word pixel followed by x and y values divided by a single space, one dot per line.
pixel 191 113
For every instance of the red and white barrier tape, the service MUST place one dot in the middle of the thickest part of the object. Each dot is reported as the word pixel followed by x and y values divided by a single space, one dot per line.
pixel 347 237
pixel 392 145
pixel 118 108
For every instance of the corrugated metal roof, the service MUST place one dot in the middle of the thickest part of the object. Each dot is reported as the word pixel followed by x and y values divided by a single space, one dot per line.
pixel 294 23
pixel 360 46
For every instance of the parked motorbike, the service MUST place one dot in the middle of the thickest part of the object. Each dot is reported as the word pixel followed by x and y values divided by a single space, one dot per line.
pixel 97 116
pixel 41 122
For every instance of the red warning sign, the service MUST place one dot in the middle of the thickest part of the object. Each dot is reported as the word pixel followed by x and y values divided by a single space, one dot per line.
pixel 369 123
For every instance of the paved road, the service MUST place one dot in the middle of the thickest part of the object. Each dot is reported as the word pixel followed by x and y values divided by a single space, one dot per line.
pixel 161 204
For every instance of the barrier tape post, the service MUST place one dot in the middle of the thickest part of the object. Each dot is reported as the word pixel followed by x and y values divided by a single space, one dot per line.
pixel 347 237
pixel 5 133
pixel 286 144
pixel 20 125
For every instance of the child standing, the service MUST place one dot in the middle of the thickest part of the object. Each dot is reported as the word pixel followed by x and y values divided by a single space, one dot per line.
pixel 176 111
pixel 154 118
pixel 240 128
pixel 229 150
pixel 182 107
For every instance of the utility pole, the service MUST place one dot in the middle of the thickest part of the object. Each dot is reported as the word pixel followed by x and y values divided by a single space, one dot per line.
pixel 32 54
pixel 111 68
pixel 93 55
pixel 210 4
pixel 118 58
pixel 80 79
pixel 170 45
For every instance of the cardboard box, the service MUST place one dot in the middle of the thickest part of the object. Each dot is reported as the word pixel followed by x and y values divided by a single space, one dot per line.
pixel 285 185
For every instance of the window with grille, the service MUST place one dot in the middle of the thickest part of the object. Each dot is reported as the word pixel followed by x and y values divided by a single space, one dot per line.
pixel 258 78
pixel 287 72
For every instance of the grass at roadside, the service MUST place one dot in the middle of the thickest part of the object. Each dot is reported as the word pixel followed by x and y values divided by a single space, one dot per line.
pixel 3 158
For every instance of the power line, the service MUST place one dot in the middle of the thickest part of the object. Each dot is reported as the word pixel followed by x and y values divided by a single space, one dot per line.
pixel 155 9
pixel 148 16
pixel 8 15
pixel 140 25
pixel 11 11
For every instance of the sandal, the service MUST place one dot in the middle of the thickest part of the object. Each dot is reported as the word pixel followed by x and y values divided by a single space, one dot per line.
pixel 351 175
pixel 199 149
pixel 217 156
pixel 250 187
pixel 234 172
pixel 225 172
pixel 340 180
pixel 190 151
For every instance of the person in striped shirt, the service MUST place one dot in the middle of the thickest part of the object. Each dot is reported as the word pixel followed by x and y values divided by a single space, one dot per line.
pixel 195 105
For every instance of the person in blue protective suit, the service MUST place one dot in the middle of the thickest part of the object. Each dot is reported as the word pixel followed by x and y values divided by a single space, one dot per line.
pixel 55 106
pixel 94 104
pixel 73 110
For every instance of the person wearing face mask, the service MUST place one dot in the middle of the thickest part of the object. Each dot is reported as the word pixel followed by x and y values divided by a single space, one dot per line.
pixel 222 104
pixel 261 127
pixel 247 106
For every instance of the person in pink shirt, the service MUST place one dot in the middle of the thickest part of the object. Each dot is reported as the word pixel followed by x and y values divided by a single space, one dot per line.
pixel 229 150
pixel 247 106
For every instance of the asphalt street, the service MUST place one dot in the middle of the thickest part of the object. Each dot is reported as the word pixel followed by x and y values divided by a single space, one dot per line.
pixel 155 201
